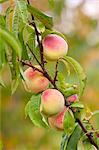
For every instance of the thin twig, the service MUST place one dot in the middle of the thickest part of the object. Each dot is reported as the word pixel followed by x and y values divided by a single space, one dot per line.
pixel 33 55
pixel 96 131
pixel 30 65
pixel 90 132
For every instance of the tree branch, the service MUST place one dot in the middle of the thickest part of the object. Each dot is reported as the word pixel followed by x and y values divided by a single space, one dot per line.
pixel 86 132
pixel 53 81
pixel 30 65
pixel 78 120
pixel 43 72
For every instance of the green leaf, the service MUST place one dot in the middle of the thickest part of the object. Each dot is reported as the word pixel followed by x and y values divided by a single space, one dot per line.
pixel 8 18
pixel 77 105
pixel 15 22
pixel 30 40
pixel 78 69
pixel 16 46
pixel 8 10
pixel 69 122
pixel 2 20
pixel 22 6
pixel 45 19
pixel 64 142
pixel 24 50
pixel 3 58
pixel 32 109
pixel 2 82
pixel 40 26
pixel 14 85
pixel 68 91
pixel 80 113
pixel 74 138
pixel 45 120
pixel 67 67
pixel 12 41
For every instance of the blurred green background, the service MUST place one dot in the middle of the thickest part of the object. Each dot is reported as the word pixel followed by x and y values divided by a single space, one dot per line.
pixel 79 21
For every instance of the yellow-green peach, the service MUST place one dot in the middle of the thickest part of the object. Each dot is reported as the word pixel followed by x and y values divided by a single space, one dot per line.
pixel 52 102
pixel 54 47
pixel 35 81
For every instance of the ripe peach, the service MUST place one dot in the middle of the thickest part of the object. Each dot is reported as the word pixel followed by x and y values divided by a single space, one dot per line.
pixel 30 73
pixel 57 121
pixel 54 47
pixel 35 81
pixel 72 98
pixel 52 102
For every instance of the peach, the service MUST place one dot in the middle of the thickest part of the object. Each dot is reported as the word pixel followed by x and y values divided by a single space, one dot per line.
pixel 72 98
pixel 35 81
pixel 57 121
pixel 52 102
pixel 30 73
pixel 54 47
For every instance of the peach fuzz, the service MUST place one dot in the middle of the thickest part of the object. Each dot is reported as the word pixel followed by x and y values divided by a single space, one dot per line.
pixel 35 81
pixel 30 73
pixel 57 121
pixel 52 102
pixel 54 47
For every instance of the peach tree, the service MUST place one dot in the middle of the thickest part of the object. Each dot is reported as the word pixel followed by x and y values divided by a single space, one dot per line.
pixel 37 55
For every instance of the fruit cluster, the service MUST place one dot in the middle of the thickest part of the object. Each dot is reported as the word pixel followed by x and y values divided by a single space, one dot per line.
pixel 52 100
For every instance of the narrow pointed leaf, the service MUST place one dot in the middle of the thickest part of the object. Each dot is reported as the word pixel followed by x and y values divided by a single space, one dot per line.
pixel 3 58
pixel 24 50
pixel 79 71
pixel 22 6
pixel 77 105
pixel 14 85
pixel 74 138
pixel 15 22
pixel 64 142
pixel 12 41
pixel 2 20
pixel 45 19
